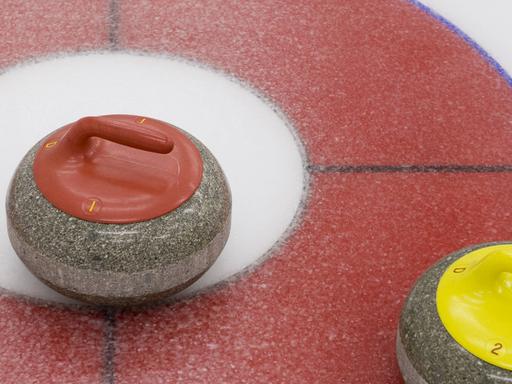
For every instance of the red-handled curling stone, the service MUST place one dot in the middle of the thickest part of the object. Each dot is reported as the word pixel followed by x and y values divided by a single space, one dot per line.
pixel 118 209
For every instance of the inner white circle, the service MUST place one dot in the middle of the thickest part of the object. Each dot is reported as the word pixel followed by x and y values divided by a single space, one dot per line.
pixel 253 144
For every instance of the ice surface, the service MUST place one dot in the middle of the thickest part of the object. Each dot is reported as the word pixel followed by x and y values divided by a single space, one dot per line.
pixel 325 307
pixel 486 22
pixel 252 142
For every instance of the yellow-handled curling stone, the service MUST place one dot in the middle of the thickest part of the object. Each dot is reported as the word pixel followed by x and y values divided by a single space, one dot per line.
pixel 456 325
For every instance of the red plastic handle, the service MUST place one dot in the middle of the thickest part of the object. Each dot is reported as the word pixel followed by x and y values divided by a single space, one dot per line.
pixel 128 133
pixel 82 170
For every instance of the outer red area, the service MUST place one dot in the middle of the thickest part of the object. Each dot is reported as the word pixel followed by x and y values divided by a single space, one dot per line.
pixel 325 308
pixel 364 81
pixel 35 28
pixel 48 345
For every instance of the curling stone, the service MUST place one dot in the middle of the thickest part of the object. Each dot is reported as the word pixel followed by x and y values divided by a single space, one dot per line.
pixel 118 210
pixel 456 325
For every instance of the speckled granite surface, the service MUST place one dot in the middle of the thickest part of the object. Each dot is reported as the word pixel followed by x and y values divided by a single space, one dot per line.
pixel 119 264
pixel 426 353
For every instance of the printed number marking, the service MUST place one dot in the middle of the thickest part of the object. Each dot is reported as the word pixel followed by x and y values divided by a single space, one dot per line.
pixel 91 208
pixel 496 348
pixel 459 270
pixel 51 144
pixel 142 121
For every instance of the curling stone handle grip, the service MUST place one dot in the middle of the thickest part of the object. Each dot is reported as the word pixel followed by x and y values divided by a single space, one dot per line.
pixel 494 271
pixel 128 133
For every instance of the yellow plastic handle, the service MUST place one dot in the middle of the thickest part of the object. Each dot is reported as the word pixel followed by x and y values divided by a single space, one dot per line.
pixel 474 302
pixel 492 275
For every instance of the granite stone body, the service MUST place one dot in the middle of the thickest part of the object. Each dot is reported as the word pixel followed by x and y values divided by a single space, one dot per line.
pixel 426 353
pixel 119 264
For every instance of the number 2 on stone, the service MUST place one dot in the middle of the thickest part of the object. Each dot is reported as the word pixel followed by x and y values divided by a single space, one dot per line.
pixel 496 348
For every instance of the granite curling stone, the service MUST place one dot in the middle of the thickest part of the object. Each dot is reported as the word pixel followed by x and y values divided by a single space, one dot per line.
pixel 456 325
pixel 118 210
